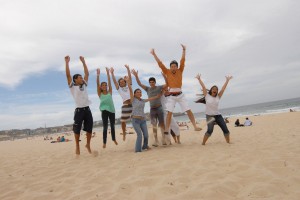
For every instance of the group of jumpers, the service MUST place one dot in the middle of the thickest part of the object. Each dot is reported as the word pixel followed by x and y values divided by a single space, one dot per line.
pixel 162 98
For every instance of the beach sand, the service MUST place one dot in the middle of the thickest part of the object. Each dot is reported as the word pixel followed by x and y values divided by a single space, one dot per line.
pixel 263 162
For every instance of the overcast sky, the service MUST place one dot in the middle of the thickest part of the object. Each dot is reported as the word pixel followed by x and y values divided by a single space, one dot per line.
pixel 256 41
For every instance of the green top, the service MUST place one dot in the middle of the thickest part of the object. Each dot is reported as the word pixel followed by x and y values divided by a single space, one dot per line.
pixel 106 103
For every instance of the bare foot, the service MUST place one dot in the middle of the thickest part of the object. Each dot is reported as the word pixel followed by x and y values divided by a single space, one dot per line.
pixel 88 148
pixel 77 151
pixel 116 143
pixel 104 146
pixel 155 144
pixel 198 129
pixel 124 136
pixel 178 142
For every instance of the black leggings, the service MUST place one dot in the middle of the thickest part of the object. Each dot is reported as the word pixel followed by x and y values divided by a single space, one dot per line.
pixel 105 115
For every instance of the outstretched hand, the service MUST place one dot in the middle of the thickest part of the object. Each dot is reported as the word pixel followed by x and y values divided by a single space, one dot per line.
pixel 82 59
pixel 183 47
pixel 112 70
pixel 127 66
pixel 98 71
pixel 67 59
pixel 127 79
pixel 198 76
pixel 228 77
pixel 152 52
pixel 135 73
pixel 107 69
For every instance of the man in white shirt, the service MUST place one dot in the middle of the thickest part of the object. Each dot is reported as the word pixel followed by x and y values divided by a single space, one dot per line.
pixel 247 122
pixel 82 114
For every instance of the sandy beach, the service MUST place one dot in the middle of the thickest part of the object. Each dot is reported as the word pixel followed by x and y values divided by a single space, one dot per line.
pixel 262 162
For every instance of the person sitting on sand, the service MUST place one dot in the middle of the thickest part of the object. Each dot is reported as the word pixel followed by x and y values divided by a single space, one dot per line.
pixel 212 99
pixel 247 122
pixel 237 123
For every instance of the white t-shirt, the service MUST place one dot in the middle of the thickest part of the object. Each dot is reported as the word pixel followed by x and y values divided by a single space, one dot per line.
pixel 212 105
pixel 80 95
pixel 247 123
pixel 124 92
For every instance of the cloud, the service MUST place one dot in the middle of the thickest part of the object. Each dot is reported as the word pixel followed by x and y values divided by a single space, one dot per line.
pixel 256 42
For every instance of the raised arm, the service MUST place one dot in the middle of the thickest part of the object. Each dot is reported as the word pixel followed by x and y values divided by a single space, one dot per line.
pixel 68 74
pixel 135 73
pixel 128 72
pixel 128 81
pixel 160 64
pixel 114 78
pixel 98 82
pixel 202 84
pixel 166 81
pixel 182 60
pixel 225 85
pixel 108 81
pixel 86 71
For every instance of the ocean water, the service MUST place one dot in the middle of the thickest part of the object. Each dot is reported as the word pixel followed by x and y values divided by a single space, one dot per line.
pixel 280 106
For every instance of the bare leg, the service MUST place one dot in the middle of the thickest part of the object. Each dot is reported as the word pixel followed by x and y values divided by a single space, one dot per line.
pixel 88 142
pixel 77 136
pixel 227 138
pixel 205 138
pixel 124 130
pixel 192 118
pixel 168 122
pixel 155 144
pixel 174 136
pixel 178 139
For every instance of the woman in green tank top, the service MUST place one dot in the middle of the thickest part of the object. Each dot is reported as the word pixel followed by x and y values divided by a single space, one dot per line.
pixel 106 107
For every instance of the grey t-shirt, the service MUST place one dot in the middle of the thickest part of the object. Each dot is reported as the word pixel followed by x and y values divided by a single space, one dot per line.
pixel 138 107
pixel 152 92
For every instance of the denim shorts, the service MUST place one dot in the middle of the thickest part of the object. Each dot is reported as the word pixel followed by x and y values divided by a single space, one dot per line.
pixel 218 119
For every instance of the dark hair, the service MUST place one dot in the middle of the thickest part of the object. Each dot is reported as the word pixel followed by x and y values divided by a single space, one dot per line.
pixel 152 79
pixel 101 85
pixel 120 80
pixel 75 77
pixel 210 91
pixel 174 62
pixel 138 89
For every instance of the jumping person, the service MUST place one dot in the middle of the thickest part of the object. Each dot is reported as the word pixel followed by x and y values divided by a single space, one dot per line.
pixel 212 98
pixel 122 88
pixel 82 114
pixel 174 128
pixel 156 109
pixel 138 117
pixel 174 78
pixel 107 107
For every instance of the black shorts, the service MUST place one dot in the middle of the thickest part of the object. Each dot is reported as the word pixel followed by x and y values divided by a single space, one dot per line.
pixel 83 115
